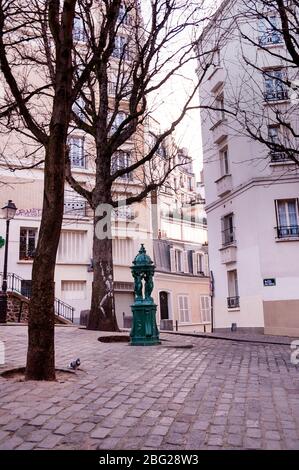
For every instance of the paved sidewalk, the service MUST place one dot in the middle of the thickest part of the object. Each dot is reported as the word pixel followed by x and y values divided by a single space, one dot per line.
pixel 218 395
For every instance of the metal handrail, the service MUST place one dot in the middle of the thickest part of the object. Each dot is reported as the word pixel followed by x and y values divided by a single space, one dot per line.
pixel 233 302
pixel 286 231
pixel 276 95
pixel 279 157
pixel 14 284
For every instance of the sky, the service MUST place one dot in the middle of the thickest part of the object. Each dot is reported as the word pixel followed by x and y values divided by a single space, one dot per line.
pixel 170 99
pixel 188 132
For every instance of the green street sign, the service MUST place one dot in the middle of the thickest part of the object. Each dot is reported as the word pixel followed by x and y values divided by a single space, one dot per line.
pixel 2 242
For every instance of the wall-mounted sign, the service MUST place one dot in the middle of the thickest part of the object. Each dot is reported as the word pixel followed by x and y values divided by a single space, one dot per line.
pixel 269 282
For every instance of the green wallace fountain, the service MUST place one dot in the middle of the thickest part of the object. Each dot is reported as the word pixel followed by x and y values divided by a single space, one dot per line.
pixel 144 329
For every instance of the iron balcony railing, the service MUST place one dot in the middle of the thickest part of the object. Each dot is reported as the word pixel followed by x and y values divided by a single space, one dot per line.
pixel 287 231
pixel 233 302
pixel 276 95
pixel 271 37
pixel 279 157
pixel 75 208
pixel 17 284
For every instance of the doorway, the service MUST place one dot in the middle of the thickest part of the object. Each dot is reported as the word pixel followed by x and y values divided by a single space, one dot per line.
pixel 164 310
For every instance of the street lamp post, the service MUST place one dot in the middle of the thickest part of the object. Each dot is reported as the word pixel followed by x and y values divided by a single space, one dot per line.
pixel 9 212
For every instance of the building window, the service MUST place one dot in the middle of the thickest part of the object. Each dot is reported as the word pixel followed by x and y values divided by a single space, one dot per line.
pixel 190 255
pixel 199 264
pixel 161 151
pixel 184 310
pixel 233 300
pixel 277 138
pixel 120 89
pixel 120 161
pixel 79 107
pixel 120 117
pixel 228 229
pixel 190 184
pixel 224 164
pixel 121 50
pixel 220 107
pixel 112 87
pixel 216 58
pixel 77 154
pixel 73 290
pixel 205 309
pixel 273 134
pixel 73 247
pixel 268 31
pixel 28 238
pixel 275 85
pixel 79 33
pixel 178 261
pixel 287 218
pixel 123 15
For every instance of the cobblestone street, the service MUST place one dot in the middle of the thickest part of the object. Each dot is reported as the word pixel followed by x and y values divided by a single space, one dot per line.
pixel 220 394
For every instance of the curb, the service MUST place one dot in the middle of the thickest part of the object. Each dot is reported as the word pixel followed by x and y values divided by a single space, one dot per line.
pixel 225 338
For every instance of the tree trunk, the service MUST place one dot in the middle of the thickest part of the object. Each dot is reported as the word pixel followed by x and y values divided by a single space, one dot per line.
pixel 102 313
pixel 40 355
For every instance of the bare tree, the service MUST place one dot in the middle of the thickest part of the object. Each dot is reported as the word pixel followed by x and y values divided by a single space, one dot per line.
pixel 271 75
pixel 48 63
pixel 136 60
pixel 36 49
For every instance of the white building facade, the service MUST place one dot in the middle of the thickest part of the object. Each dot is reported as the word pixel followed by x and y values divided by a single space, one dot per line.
pixel 251 193
pixel 182 279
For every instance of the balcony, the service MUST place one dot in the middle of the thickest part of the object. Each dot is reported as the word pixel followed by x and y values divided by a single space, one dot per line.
pixel 271 38
pixel 224 185
pixel 228 254
pixel 233 302
pixel 287 231
pixel 280 157
pixel 75 207
pixel 124 213
pixel 276 95
pixel 219 131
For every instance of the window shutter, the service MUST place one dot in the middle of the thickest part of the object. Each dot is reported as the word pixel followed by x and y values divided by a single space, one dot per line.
pixel 185 262
pixel 206 268
pixel 172 260
pixel 205 309
pixel 201 302
pixel 194 263
pixel 181 309
pixel 186 309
